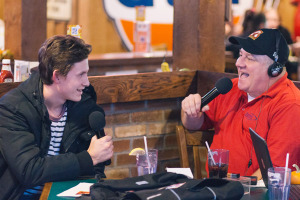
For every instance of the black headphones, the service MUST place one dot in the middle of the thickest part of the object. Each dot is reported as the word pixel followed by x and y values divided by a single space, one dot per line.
pixel 276 68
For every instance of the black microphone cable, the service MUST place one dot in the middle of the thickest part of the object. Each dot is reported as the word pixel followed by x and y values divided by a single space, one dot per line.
pixel 97 123
pixel 260 109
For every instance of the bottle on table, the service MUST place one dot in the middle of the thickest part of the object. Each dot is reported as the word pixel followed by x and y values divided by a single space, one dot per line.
pixel 6 75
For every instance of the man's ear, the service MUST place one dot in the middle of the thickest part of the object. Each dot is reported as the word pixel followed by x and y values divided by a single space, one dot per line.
pixel 56 77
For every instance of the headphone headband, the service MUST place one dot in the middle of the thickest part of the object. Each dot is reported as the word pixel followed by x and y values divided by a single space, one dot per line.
pixel 277 36
pixel 276 68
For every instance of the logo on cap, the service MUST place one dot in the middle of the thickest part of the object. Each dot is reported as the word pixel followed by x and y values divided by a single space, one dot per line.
pixel 255 34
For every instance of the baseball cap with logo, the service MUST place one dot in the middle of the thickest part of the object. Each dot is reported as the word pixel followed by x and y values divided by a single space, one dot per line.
pixel 263 42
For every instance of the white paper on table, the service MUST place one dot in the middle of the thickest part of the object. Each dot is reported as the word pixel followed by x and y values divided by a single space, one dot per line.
pixel 72 192
pixel 185 171
pixel 259 183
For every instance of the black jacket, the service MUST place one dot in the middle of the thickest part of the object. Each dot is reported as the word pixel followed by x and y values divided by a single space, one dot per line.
pixel 165 186
pixel 25 137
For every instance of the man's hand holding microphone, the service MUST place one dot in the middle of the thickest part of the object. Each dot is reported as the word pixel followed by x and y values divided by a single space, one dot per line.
pixel 101 149
pixel 194 105
pixel 101 146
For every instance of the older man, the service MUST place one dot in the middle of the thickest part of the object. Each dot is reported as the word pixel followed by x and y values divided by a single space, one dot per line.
pixel 261 98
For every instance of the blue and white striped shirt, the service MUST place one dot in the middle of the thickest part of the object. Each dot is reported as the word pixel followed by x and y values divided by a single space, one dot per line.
pixel 57 130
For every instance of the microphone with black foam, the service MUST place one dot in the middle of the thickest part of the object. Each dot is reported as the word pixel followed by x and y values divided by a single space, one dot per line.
pixel 222 86
pixel 97 123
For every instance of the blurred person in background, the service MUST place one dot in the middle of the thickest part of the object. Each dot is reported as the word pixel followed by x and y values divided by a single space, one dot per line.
pixel 273 21
pixel 252 21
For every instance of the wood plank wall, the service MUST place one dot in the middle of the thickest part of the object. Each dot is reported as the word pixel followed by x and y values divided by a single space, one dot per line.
pixel 25 27
pixel 148 86
pixel 136 87
pixel 1 9
pixel 99 30
pixel 198 35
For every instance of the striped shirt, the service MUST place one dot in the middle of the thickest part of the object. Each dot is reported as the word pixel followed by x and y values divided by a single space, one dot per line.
pixel 57 130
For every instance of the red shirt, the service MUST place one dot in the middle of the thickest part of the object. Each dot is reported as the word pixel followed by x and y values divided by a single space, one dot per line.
pixel 275 115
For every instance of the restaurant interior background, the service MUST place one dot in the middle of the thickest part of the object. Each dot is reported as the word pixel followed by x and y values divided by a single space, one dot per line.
pixel 100 31
pixel 128 122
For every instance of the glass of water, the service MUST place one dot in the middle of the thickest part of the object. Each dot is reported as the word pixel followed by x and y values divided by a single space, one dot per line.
pixel 279 183
pixel 147 164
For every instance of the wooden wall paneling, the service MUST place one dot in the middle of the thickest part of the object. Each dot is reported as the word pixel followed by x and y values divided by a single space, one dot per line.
pixel 61 28
pixel 13 28
pixel 1 9
pixel 85 18
pixel 98 29
pixel 147 86
pixel 6 87
pixel 110 39
pixel 50 28
pixel 198 35
pixel 25 27
pixel 56 28
pixel 34 24
pixel 137 87
pixel 74 18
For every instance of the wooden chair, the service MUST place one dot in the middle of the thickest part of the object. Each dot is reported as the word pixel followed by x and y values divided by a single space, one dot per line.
pixel 195 139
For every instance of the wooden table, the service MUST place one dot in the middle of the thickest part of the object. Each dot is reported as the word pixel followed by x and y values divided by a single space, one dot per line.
pixel 46 191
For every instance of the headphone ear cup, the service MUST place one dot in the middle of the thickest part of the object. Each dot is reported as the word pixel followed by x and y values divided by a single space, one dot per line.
pixel 275 69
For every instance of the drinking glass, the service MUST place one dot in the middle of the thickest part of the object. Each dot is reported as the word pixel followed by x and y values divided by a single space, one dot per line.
pixel 279 183
pixel 218 166
pixel 147 165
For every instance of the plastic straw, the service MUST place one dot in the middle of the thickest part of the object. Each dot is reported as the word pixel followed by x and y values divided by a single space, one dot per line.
pixel 147 155
pixel 208 149
pixel 286 168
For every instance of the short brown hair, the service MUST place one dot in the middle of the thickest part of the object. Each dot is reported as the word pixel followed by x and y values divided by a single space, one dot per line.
pixel 59 53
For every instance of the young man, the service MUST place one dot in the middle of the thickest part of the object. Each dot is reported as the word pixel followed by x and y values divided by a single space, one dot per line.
pixel 261 98
pixel 44 123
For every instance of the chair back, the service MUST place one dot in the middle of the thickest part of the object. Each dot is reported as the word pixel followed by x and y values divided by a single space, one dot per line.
pixel 195 140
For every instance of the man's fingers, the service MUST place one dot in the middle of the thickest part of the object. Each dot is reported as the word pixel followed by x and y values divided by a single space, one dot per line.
pixel 198 103
pixel 107 138
pixel 205 108
pixel 94 138
pixel 191 105
pixel 192 108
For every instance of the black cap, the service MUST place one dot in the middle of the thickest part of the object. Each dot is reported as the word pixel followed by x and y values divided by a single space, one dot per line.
pixel 263 42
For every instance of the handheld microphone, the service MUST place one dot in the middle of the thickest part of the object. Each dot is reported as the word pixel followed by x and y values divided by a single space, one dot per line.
pixel 222 86
pixel 97 123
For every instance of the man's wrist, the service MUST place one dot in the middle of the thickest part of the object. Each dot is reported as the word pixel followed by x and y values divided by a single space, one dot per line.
pixel 86 162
